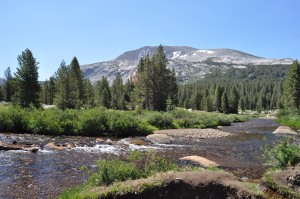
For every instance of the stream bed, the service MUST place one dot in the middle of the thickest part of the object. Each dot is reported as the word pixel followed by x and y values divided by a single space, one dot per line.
pixel 48 172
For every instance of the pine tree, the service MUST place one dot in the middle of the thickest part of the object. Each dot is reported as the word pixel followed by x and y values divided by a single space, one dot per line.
pixel 292 86
pixel 90 100
pixel 28 87
pixel 77 79
pixel 234 101
pixel 225 103
pixel 8 84
pixel 64 97
pixel 154 83
pixel 218 96
pixel 103 93
pixel 117 93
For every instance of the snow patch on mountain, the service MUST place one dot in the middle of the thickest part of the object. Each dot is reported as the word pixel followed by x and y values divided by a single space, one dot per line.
pixel 188 62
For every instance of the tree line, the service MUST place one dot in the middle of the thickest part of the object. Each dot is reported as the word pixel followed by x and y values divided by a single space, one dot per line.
pixel 154 87
pixel 244 89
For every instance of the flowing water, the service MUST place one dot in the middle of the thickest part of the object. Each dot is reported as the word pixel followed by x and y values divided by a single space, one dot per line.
pixel 48 172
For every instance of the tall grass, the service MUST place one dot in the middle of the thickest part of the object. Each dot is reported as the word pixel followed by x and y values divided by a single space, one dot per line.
pixel 135 166
pixel 289 117
pixel 101 121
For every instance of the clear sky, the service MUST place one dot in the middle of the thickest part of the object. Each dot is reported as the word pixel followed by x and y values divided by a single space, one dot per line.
pixel 100 30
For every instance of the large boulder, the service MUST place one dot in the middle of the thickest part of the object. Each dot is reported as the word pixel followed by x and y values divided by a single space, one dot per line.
pixel 285 130
pixel 159 139
pixel 200 161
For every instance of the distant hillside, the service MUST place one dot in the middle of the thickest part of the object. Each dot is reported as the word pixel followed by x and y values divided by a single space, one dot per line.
pixel 2 81
pixel 189 63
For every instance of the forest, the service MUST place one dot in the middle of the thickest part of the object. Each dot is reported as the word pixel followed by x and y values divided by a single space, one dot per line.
pixel 154 87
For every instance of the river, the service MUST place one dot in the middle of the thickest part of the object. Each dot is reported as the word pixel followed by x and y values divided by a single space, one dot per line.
pixel 48 172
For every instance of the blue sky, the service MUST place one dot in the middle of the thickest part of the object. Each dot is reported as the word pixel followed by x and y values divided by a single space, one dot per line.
pixel 99 30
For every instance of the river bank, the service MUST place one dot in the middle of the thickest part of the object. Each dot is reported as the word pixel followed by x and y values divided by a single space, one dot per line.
pixel 48 172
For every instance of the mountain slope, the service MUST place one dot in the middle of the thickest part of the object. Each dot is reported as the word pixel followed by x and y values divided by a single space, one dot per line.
pixel 189 63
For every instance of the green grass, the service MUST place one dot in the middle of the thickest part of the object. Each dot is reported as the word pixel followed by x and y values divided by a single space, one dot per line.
pixel 136 166
pixel 104 122
pixel 289 117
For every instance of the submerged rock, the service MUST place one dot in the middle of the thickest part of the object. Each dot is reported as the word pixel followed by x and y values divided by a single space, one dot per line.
pixel 285 130
pixel 203 162
pixel 159 139
pixel 100 140
pixel 52 145
pixel 15 146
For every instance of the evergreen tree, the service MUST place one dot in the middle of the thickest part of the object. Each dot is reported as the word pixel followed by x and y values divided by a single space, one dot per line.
pixel 45 92
pixel 225 103
pixel 103 93
pixel 292 86
pixel 28 87
pixel 77 80
pixel 51 90
pixel 234 101
pixel 218 96
pixel 89 94
pixel 154 83
pixel 8 84
pixel 117 93
pixel 64 97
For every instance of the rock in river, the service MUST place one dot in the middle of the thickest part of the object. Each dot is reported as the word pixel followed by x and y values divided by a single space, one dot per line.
pixel 159 139
pixel 203 162
pixel 285 130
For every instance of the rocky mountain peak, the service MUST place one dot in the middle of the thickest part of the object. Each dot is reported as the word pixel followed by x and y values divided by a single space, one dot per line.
pixel 188 62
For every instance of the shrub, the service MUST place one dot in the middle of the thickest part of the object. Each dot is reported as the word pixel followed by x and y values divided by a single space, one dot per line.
pixel 286 153
pixel 94 122
pixel 161 120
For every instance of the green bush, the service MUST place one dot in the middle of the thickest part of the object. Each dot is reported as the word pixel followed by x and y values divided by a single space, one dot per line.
pixel 161 120
pixel 94 122
pixel 100 121
pixel 286 153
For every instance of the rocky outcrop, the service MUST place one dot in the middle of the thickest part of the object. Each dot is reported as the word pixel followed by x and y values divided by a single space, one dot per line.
pixel 160 139
pixel 199 161
pixel 285 130
pixel 15 146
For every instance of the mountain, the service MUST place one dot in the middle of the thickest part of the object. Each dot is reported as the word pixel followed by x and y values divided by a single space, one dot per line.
pixel 189 63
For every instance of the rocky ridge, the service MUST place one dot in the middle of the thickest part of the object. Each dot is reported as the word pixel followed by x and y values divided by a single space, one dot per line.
pixel 189 63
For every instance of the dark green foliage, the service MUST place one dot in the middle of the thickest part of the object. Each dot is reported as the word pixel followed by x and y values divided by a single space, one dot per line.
pixel 225 103
pixel 292 86
pixel 9 85
pixel 117 93
pixel 28 87
pixel 286 153
pixel 103 93
pixel 154 82
pixel 64 97
pixel 218 100
pixel 77 80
